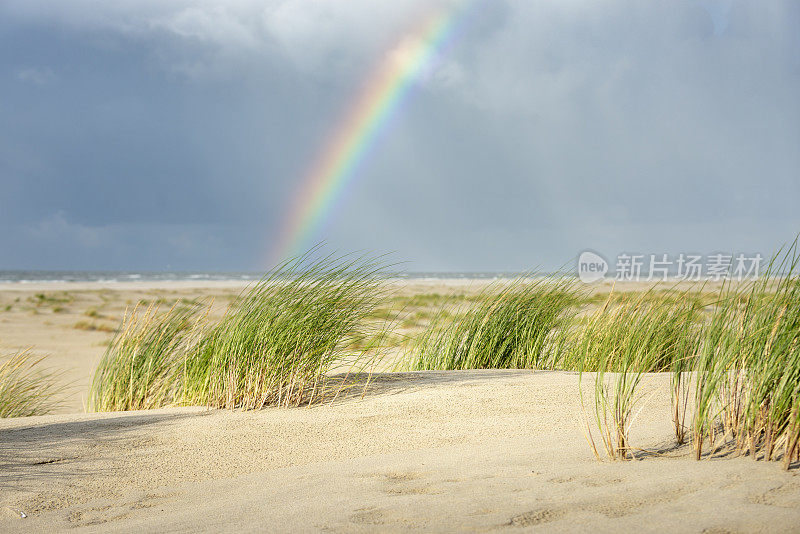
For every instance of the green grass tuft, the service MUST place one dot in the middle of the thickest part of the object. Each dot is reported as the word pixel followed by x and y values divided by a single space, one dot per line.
pixel 619 344
pixel 273 346
pixel 141 365
pixel 506 327
pixel 747 392
pixel 25 388
pixel 277 341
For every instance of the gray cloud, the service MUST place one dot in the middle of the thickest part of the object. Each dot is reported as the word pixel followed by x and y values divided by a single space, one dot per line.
pixel 37 75
pixel 175 133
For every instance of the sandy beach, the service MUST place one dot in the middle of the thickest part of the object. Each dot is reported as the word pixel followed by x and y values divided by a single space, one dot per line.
pixel 438 451
pixel 424 451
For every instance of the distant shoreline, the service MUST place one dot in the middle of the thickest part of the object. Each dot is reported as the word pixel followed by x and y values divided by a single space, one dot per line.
pixel 451 280
pixel 35 276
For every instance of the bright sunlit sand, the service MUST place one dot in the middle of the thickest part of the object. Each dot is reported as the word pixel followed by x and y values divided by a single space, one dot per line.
pixel 491 449
pixel 460 450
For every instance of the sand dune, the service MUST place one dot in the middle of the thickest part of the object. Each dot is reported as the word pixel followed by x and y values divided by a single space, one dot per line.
pixel 72 322
pixel 75 321
pixel 437 451
pixel 432 451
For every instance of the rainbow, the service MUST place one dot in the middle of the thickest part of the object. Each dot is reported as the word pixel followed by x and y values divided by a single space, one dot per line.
pixel 367 118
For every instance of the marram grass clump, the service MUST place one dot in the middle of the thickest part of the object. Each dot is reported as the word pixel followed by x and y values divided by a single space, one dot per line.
pixel 735 370
pixel 26 388
pixel 274 345
pixel 278 341
pixel 747 392
pixel 142 367
pixel 508 327
pixel 619 344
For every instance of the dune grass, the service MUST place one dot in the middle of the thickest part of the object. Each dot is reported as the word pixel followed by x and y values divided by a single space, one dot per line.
pixel 734 361
pixel 619 344
pixel 273 346
pixel 279 340
pixel 26 388
pixel 507 327
pixel 747 392
pixel 141 366
pixel 733 357
pixel 737 372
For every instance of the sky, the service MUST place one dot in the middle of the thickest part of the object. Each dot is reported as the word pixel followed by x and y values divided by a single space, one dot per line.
pixel 175 135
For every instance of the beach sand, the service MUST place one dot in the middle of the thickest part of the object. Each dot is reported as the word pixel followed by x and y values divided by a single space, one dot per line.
pixel 440 451
pixel 433 451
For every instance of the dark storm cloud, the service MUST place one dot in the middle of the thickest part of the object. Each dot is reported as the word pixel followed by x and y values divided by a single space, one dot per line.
pixel 147 134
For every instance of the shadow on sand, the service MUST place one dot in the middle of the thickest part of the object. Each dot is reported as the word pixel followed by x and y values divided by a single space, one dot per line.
pixel 351 386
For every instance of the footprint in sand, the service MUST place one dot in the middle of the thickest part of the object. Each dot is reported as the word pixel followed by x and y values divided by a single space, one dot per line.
pixel 783 496
pixel 406 483
pixel 98 515
pixel 717 530
pixel 378 516
pixel 537 517
pixel 628 506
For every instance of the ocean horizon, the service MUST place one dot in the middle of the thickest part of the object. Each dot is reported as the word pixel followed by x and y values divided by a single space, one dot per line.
pixel 38 276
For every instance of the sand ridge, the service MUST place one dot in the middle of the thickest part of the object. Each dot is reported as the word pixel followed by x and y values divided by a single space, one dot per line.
pixel 72 322
pixel 488 450
pixel 441 451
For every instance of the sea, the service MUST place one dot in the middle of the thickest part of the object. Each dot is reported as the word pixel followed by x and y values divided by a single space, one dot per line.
pixel 30 277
